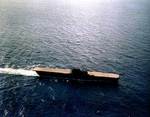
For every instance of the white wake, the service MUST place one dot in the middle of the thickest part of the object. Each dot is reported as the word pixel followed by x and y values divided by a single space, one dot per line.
pixel 18 72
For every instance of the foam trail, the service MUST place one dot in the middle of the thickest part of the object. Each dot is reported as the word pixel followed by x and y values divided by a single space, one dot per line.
pixel 18 72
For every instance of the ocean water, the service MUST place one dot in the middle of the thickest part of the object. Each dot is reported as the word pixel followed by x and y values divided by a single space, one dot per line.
pixel 103 35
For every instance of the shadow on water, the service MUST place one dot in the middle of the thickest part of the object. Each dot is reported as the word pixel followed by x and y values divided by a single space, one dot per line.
pixel 80 83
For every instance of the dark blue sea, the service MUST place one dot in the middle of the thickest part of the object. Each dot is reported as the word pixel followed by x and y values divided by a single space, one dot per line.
pixel 102 35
